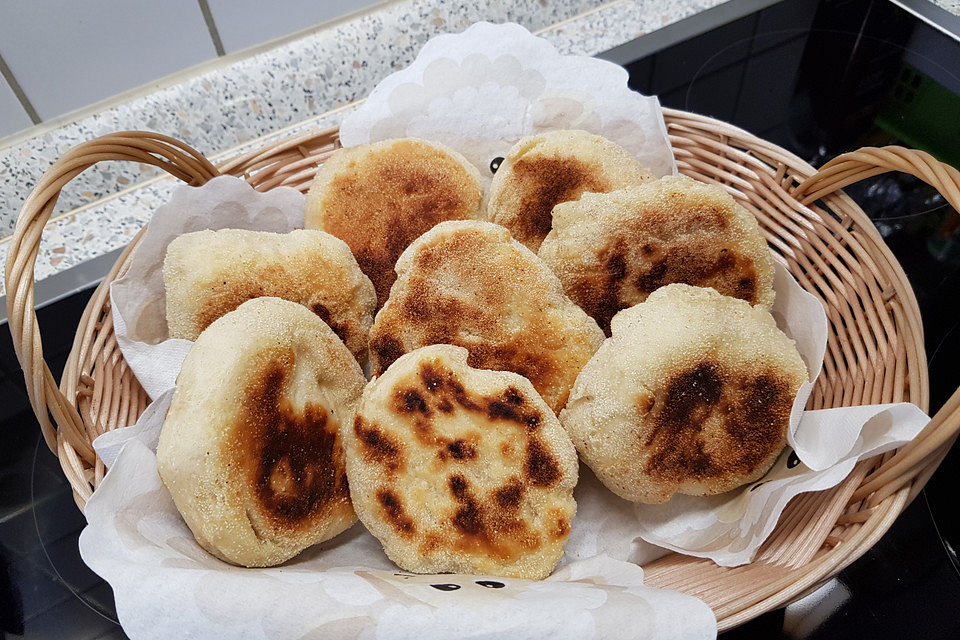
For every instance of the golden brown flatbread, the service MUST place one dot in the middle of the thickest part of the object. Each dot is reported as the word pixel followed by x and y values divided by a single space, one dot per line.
pixel 209 273
pixel 456 469
pixel 250 449
pixel 541 171
pixel 692 394
pixel 379 198
pixel 612 250
pixel 469 284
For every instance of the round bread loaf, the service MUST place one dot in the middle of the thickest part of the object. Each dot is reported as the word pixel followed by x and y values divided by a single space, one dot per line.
pixel 379 198
pixel 612 250
pixel 469 284
pixel 691 394
pixel 250 449
pixel 461 470
pixel 208 273
pixel 543 170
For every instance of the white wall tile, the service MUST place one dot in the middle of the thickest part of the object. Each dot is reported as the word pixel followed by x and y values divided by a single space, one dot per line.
pixel 12 116
pixel 244 23
pixel 68 54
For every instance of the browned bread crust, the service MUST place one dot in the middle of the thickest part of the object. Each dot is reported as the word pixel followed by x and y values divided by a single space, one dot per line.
pixel 209 273
pixel 250 448
pixel 692 394
pixel 459 469
pixel 379 198
pixel 541 171
pixel 469 284
pixel 612 250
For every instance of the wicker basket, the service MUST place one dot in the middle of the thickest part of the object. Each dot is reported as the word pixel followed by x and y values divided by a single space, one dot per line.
pixel 874 352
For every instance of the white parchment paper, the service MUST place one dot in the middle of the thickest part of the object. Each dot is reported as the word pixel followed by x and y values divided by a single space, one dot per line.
pixel 481 90
pixel 166 586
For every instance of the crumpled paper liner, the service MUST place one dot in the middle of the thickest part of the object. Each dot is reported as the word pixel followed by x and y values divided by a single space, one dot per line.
pixel 481 90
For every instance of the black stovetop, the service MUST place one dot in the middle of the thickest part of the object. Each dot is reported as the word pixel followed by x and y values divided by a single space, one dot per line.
pixel 817 77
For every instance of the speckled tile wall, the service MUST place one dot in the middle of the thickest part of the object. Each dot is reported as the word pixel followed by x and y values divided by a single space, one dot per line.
pixel 953 6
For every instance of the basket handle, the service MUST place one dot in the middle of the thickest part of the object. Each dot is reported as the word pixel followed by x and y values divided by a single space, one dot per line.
pixel 46 399
pixel 930 444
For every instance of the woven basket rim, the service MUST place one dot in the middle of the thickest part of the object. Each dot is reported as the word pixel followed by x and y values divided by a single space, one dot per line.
pixel 97 392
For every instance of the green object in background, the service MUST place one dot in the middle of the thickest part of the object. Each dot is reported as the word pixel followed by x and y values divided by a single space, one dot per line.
pixel 923 114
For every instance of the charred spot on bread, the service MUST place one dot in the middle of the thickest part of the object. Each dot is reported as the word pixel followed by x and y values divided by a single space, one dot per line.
pixel 492 525
pixel 292 457
pixel 702 405
pixel 378 447
pixel 510 495
pixel 546 181
pixel 541 467
pixel 393 508
pixel 410 401
pixel 440 389
pixel 459 449
pixel 387 349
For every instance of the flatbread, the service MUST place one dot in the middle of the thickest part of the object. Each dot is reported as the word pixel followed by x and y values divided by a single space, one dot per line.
pixel 250 449
pixel 209 273
pixel 468 283
pixel 541 171
pixel 612 250
pixel 462 470
pixel 691 394
pixel 381 197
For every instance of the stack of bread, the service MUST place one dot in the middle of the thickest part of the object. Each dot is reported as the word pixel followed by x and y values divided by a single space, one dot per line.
pixel 579 307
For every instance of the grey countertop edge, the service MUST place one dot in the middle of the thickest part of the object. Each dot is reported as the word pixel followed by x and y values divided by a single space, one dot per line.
pixel 943 15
